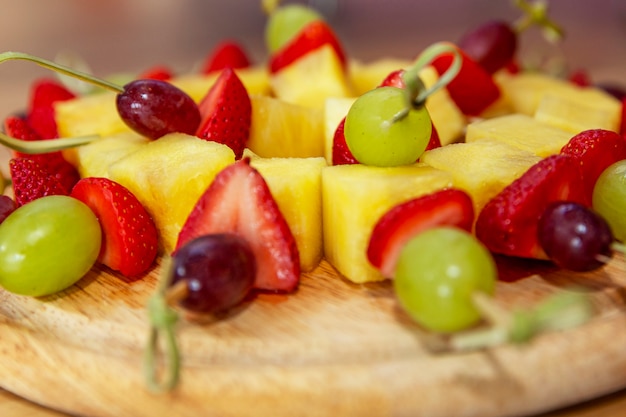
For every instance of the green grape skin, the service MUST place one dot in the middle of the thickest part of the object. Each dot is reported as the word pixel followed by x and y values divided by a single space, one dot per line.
pixel 285 22
pixel 47 245
pixel 373 141
pixel 437 272
pixel 609 198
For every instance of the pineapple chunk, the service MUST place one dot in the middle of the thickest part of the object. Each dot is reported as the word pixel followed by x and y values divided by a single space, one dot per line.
pixel 334 111
pixel 296 185
pixel 576 116
pixel 94 159
pixel 89 115
pixel 354 197
pixel 311 79
pixel 482 168
pixel 282 129
pixel 255 79
pixel 521 131
pixel 366 76
pixel 168 176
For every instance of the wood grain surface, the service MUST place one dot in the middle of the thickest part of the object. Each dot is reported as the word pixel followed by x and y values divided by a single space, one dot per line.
pixel 333 348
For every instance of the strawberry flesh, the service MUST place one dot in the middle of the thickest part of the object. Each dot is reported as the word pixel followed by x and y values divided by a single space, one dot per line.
pixel 158 72
pixel 449 207
pixel 40 113
pixel 226 113
pixel 507 224
pixel 341 153
pixel 129 238
pixel 227 54
pixel 595 150
pixel 31 181
pixel 239 201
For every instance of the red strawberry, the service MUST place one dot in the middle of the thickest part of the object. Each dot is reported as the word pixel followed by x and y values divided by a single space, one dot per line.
pixel 40 113
pixel 341 153
pixel 314 35
pixel 31 181
pixel 158 72
pixel 239 201
pixel 226 54
pixel 226 113
pixel 129 239
pixel 580 78
pixel 508 223
pixel 473 89
pixel 451 207
pixel 622 128
pixel 52 162
pixel 595 150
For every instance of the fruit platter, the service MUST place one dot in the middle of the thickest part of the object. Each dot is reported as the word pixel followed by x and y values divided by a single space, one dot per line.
pixel 437 236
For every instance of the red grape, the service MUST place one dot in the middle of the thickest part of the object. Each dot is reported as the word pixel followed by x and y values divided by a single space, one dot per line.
pixel 575 237
pixel 7 206
pixel 492 45
pixel 219 270
pixel 155 108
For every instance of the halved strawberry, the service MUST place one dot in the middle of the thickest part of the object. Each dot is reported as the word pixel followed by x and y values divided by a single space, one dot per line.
pixel 341 153
pixel 52 162
pixel 508 223
pixel 31 181
pixel 239 201
pixel 226 113
pixel 473 89
pixel 312 36
pixel 451 207
pixel 595 150
pixel 40 112
pixel 226 54
pixel 129 238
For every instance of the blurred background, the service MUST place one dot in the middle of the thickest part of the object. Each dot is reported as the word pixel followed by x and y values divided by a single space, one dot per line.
pixel 132 35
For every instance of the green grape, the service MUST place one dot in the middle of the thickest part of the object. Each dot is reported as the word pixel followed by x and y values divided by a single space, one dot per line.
pixel 609 198
pixel 47 245
pixel 374 139
pixel 437 272
pixel 285 22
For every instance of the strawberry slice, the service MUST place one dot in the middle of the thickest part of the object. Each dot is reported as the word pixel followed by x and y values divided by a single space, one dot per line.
pixel 451 207
pixel 52 162
pixel 226 54
pixel 40 113
pixel 312 36
pixel 595 150
pixel 31 181
pixel 473 89
pixel 129 238
pixel 508 223
pixel 239 201
pixel 341 153
pixel 226 113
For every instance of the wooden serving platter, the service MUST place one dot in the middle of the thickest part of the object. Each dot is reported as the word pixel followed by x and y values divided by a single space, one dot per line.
pixel 332 349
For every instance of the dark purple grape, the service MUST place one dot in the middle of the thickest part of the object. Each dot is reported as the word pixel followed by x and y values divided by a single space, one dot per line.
pixel 7 206
pixel 616 90
pixel 574 237
pixel 154 108
pixel 492 45
pixel 219 270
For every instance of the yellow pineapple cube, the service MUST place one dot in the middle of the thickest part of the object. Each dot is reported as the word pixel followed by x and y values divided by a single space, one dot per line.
pixel 311 79
pixel 296 185
pixel 282 129
pixel 575 116
pixel 89 115
pixel 168 176
pixel 354 197
pixel 521 131
pixel 365 76
pixel 255 79
pixel 335 110
pixel 482 168
pixel 94 159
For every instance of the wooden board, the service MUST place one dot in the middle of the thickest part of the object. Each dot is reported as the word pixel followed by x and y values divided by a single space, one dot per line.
pixel 334 348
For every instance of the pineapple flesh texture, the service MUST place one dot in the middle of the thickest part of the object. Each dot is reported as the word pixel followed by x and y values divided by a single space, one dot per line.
pixel 311 79
pixel 94 159
pixel 168 176
pixel 296 185
pixel 354 197
pixel 88 115
pixel 576 116
pixel 482 168
pixel 521 131
pixel 282 129
pixel 335 110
